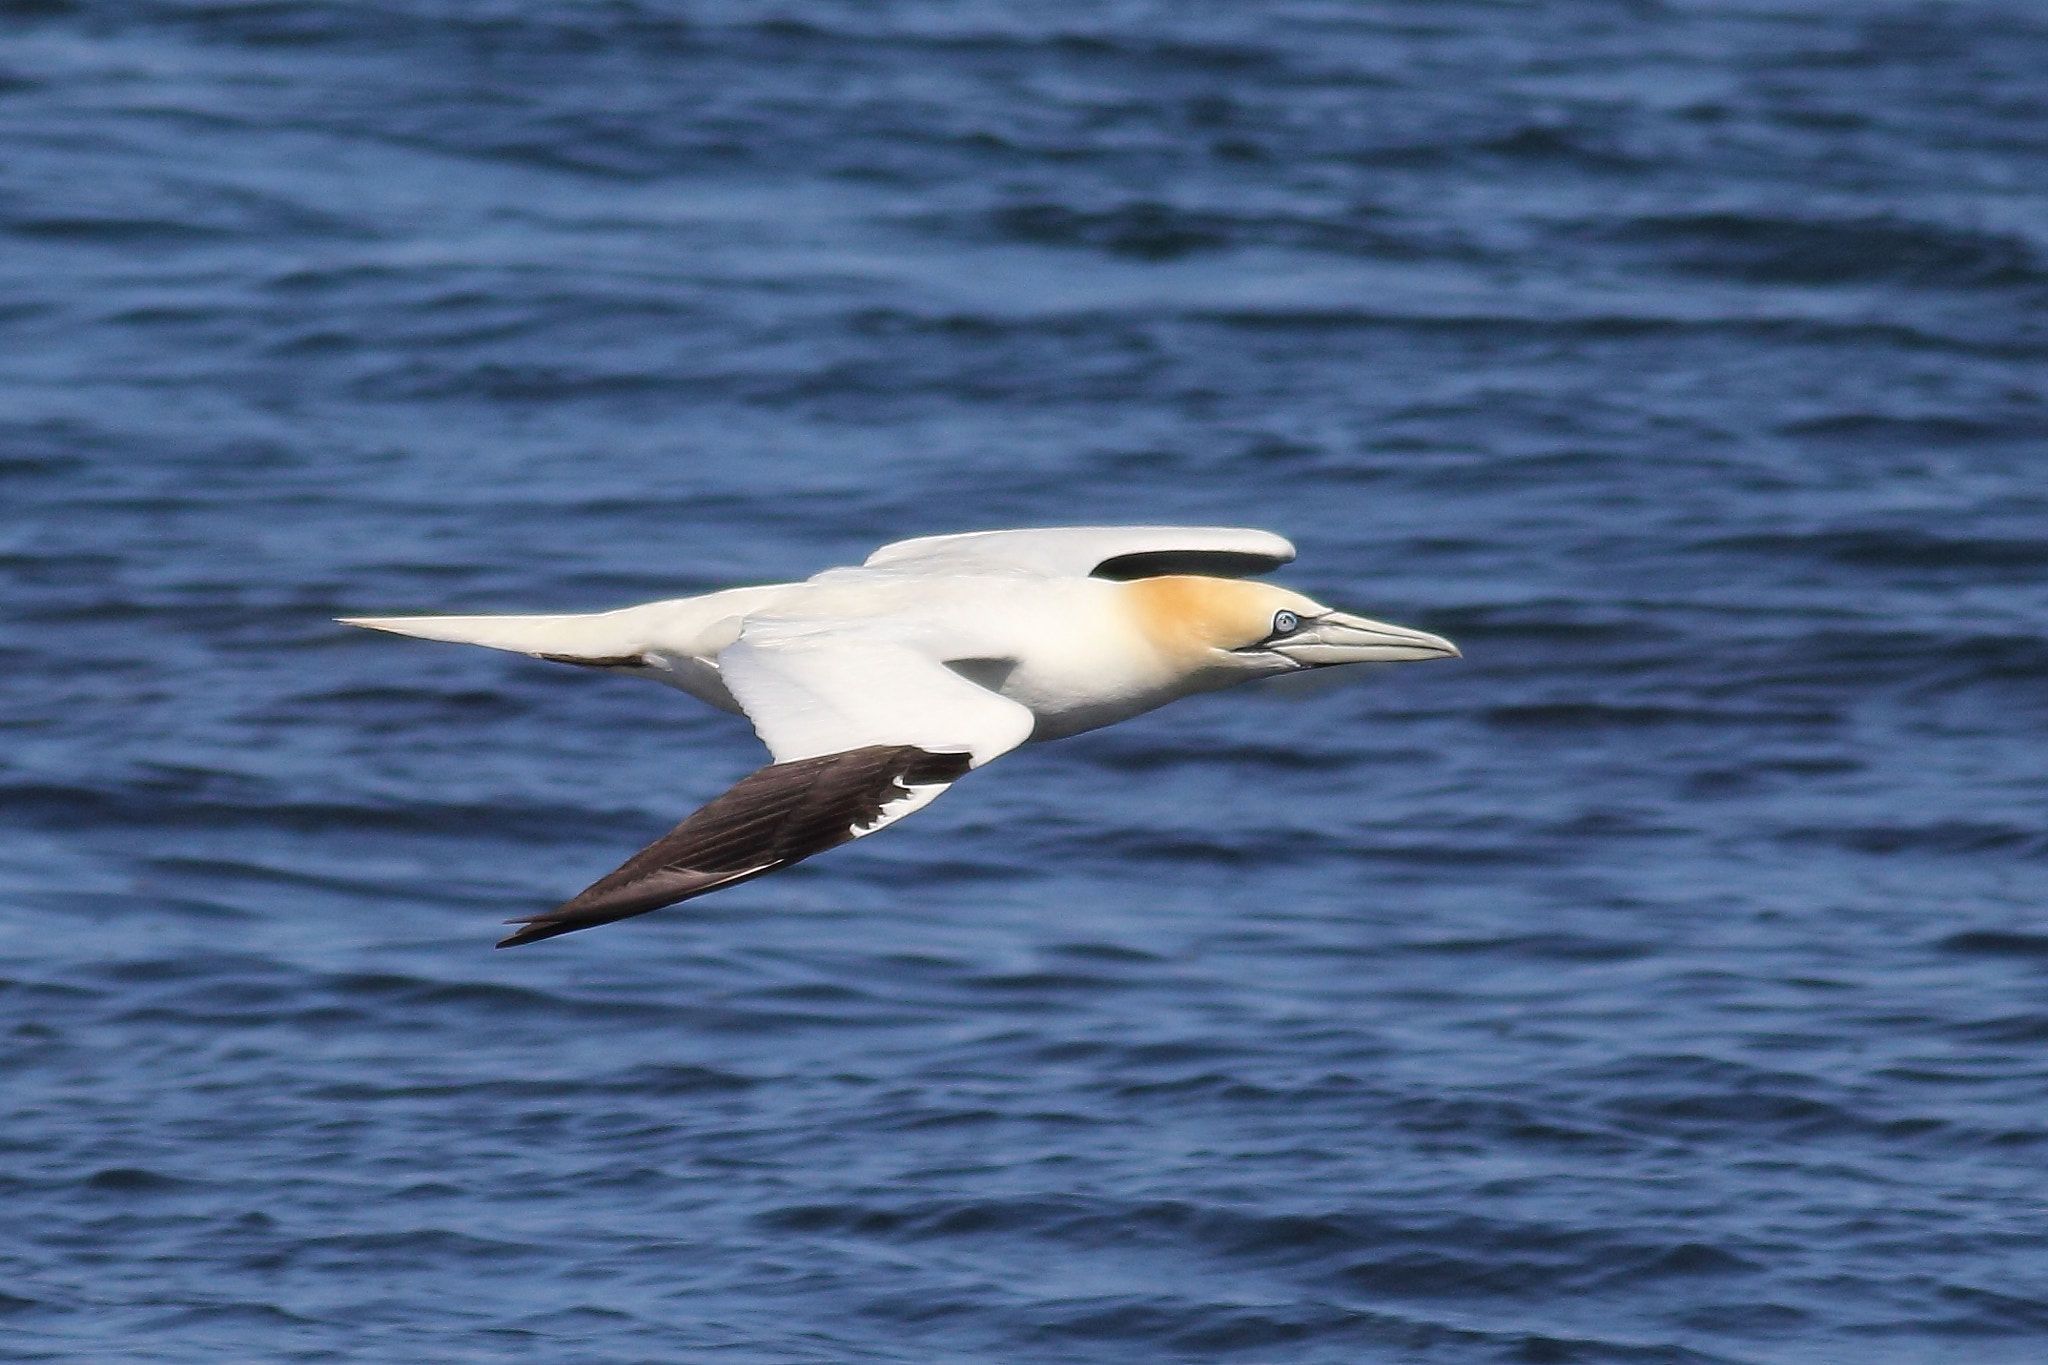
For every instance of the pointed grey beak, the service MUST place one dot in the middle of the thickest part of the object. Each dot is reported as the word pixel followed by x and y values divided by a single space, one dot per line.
pixel 1339 638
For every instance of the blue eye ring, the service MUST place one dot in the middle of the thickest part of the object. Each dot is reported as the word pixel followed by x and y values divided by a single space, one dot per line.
pixel 1285 623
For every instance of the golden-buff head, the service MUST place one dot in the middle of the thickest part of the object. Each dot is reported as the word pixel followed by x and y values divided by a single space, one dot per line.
pixel 1226 628
pixel 1190 618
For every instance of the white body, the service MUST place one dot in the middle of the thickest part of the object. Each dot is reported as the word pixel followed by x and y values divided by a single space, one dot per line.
pixel 973 643
pixel 875 688
pixel 1070 651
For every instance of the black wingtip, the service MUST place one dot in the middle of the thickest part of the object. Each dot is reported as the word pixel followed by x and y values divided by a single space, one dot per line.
pixel 774 817
pixel 524 934
pixel 584 912
pixel 533 929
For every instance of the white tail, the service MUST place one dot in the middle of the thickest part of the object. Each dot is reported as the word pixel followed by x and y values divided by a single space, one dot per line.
pixel 562 637
pixel 682 627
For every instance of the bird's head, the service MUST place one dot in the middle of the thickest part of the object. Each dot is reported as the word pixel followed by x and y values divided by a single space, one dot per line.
pixel 1228 628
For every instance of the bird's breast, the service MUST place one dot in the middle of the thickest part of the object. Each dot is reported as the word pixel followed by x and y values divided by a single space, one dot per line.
pixel 1082 665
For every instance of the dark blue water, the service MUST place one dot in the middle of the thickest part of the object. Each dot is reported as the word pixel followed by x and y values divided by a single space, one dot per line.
pixel 1665 982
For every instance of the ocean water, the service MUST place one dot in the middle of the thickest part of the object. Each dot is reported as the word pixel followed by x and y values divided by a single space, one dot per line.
pixel 1666 981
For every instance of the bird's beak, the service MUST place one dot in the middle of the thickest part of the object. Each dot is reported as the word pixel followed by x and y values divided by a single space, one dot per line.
pixel 1338 638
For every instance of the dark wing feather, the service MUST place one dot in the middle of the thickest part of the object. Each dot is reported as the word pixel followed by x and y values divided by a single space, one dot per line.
pixel 771 818
pixel 1210 563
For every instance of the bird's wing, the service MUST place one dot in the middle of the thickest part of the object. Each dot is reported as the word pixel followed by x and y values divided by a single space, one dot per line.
pixel 821 688
pixel 1121 552
pixel 774 817
pixel 864 730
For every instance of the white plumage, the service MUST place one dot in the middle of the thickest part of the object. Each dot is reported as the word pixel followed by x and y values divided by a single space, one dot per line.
pixel 873 687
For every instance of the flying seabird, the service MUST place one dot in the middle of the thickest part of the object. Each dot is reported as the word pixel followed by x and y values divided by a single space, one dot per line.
pixel 876 688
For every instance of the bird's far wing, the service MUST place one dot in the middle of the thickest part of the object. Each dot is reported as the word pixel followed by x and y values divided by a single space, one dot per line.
pixel 864 730
pixel 1120 552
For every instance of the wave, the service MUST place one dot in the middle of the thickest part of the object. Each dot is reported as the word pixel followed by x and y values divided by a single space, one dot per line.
pixel 173 804
pixel 131 1181
pixel 1764 249
pixel 1997 943
pixel 648 1081
pixel 1868 429
pixel 1598 715
pixel 1402 1255
pixel 1495 325
pixel 1944 837
pixel 1149 230
pixel 1894 548
pixel 1544 144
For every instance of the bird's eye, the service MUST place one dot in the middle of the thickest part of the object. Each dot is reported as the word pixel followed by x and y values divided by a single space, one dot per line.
pixel 1285 623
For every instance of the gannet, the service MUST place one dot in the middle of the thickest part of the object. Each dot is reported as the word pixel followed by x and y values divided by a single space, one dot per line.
pixel 876 688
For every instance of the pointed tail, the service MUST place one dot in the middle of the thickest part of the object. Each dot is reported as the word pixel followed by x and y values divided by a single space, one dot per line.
pixel 612 639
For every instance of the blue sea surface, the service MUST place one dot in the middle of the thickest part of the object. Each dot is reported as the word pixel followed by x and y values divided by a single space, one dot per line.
pixel 1666 981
